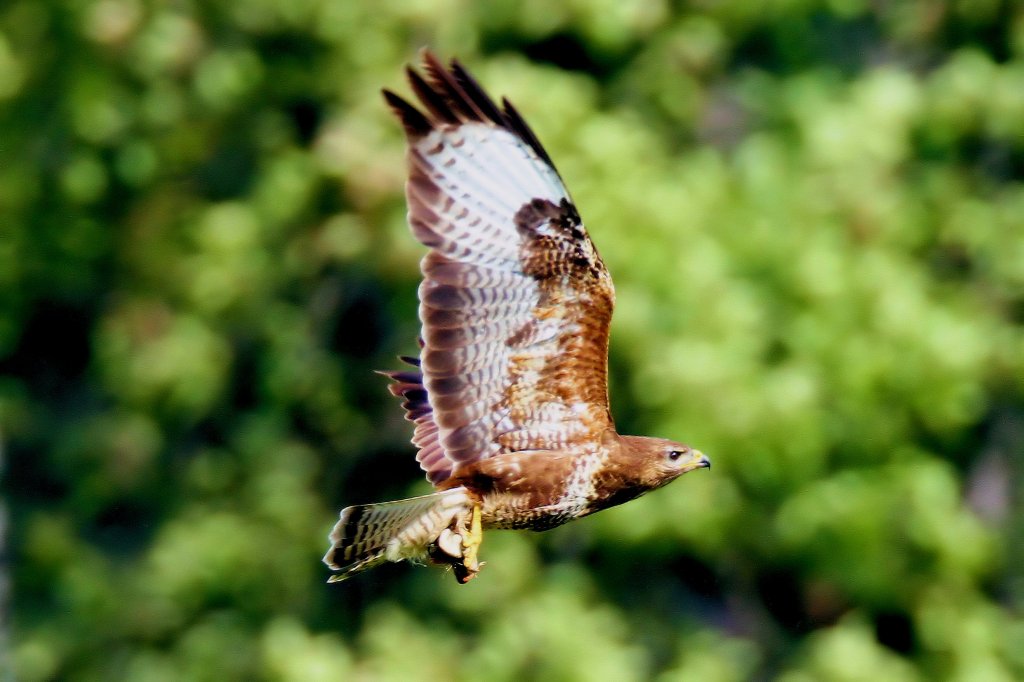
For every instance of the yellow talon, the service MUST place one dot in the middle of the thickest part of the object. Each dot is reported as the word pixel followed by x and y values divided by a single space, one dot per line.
pixel 470 564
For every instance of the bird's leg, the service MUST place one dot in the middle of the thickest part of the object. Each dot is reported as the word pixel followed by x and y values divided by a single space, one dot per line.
pixel 467 569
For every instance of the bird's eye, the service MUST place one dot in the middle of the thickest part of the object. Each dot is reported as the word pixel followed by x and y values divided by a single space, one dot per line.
pixel 674 455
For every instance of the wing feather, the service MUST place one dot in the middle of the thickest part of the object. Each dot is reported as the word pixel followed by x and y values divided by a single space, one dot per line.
pixel 515 300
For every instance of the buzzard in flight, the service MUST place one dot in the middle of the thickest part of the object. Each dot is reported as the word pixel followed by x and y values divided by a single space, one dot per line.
pixel 509 393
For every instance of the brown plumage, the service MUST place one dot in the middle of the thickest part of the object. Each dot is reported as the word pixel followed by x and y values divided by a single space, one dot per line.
pixel 509 394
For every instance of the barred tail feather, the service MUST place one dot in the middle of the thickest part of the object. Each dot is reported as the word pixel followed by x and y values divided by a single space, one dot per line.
pixel 367 535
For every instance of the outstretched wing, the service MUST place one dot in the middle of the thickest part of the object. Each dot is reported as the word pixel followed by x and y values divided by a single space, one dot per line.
pixel 515 301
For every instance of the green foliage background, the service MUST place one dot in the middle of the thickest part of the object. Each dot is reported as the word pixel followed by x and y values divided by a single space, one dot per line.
pixel 814 212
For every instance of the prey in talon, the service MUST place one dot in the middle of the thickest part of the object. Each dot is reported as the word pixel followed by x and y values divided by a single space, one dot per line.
pixel 509 393
pixel 459 550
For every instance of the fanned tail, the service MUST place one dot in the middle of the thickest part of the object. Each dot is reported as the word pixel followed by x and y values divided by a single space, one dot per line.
pixel 367 535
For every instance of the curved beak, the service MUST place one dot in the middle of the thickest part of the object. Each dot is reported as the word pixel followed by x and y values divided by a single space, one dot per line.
pixel 698 460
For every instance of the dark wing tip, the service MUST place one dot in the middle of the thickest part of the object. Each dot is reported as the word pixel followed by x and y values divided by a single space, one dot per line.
pixel 414 122
pixel 450 95
pixel 432 97
pixel 517 124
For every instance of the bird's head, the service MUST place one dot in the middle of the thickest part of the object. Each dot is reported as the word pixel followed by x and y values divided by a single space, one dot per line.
pixel 658 461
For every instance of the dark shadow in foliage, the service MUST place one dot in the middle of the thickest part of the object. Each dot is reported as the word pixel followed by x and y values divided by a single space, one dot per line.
pixel 895 629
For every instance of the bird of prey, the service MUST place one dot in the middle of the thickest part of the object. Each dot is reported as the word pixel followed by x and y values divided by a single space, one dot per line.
pixel 509 393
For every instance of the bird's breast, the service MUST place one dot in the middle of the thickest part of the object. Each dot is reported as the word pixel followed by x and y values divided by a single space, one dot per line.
pixel 535 490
